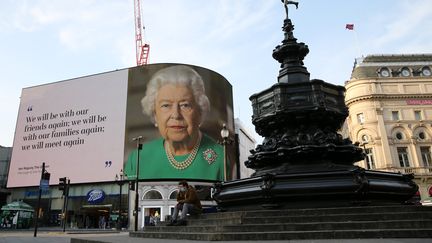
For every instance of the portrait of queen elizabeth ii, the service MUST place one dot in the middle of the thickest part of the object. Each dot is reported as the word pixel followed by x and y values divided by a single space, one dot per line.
pixel 176 103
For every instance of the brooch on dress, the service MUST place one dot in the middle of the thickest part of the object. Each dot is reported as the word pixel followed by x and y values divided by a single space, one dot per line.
pixel 210 155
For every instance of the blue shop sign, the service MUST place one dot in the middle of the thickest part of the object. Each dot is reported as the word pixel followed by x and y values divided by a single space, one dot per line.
pixel 95 196
pixel 36 193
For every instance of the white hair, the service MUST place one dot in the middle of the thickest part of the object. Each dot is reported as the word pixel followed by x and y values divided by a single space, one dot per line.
pixel 175 75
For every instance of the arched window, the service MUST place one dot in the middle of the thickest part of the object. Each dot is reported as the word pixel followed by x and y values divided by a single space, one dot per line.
pixel 384 72
pixel 365 138
pixel 173 195
pixel 153 194
pixel 422 135
pixel 399 135
pixel 405 72
pixel 426 71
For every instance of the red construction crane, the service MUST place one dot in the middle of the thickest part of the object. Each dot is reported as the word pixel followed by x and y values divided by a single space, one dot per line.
pixel 142 49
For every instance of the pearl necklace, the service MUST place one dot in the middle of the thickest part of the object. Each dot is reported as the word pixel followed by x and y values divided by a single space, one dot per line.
pixel 181 165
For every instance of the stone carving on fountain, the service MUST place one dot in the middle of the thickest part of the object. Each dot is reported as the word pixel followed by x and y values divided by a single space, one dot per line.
pixel 303 161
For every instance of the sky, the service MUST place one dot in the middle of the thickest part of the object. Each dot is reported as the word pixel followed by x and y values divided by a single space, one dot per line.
pixel 44 41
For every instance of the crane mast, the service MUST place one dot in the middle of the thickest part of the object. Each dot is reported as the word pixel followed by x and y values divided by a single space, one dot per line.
pixel 142 49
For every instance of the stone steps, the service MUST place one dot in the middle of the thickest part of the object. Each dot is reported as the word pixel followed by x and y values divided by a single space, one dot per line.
pixel 316 212
pixel 290 235
pixel 304 219
pixel 326 223
pixel 394 224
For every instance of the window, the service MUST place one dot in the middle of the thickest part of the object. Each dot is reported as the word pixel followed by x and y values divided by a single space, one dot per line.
pixel 403 156
pixel 426 156
pixel 405 72
pixel 360 118
pixel 153 194
pixel 365 138
pixel 426 71
pixel 399 136
pixel 384 72
pixel 370 164
pixel 418 115
pixel 395 115
pixel 421 135
pixel 173 195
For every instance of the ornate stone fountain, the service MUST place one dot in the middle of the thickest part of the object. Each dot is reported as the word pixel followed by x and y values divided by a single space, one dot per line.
pixel 303 161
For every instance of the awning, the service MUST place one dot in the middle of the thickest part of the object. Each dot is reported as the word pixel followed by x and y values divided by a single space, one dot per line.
pixel 17 206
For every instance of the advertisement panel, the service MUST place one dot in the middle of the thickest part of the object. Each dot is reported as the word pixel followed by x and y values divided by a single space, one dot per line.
pixel 83 128
pixel 76 127
pixel 179 111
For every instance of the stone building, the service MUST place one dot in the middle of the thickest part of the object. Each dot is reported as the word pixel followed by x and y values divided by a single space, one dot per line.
pixel 5 156
pixel 389 98
pixel 244 143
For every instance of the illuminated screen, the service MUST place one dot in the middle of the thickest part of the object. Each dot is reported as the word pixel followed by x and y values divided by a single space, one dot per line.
pixel 83 129
pixel 76 127
pixel 179 134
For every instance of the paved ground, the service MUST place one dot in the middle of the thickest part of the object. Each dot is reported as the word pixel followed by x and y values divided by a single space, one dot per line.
pixel 53 236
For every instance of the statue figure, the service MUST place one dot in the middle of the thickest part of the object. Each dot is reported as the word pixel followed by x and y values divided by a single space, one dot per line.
pixel 286 2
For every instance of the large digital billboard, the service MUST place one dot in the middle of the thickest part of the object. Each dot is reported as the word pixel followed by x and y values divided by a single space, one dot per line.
pixel 75 127
pixel 84 128
pixel 179 110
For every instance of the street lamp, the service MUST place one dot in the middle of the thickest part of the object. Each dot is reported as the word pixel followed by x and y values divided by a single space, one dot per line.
pixel 43 185
pixel 119 180
pixel 139 147
pixel 225 141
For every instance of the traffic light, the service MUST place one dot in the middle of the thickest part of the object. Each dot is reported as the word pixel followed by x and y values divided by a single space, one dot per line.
pixel 62 185
pixel 132 185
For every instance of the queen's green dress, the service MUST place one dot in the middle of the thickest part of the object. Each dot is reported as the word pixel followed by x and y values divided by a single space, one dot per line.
pixel 208 163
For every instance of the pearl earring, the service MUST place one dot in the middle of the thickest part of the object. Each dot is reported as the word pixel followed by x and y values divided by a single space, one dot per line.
pixel 156 125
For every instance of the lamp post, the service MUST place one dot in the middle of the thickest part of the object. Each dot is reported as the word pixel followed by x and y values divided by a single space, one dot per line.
pixel 119 179
pixel 225 141
pixel 139 147
pixel 43 185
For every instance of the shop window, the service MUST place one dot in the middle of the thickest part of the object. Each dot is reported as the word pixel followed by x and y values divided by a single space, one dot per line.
pixel 403 156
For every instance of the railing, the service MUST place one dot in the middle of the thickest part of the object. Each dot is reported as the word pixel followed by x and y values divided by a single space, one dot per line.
pixel 410 170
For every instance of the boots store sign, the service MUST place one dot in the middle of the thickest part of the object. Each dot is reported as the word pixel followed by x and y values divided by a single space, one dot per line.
pixel 95 196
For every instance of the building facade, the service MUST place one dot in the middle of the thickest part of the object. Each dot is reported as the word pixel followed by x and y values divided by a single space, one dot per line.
pixel 245 142
pixel 87 204
pixel 389 98
pixel 5 156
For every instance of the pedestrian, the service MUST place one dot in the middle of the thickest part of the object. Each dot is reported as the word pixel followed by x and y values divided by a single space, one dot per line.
pixel 15 221
pixel 188 202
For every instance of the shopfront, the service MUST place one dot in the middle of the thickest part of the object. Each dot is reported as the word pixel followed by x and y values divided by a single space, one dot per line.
pixel 89 206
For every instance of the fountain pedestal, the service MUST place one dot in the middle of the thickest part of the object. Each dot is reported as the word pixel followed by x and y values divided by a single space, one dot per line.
pixel 303 161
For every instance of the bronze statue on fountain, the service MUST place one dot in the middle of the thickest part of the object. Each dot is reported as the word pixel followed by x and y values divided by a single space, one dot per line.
pixel 303 161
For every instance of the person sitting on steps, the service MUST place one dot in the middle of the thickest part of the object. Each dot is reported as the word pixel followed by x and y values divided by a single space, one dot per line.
pixel 188 202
